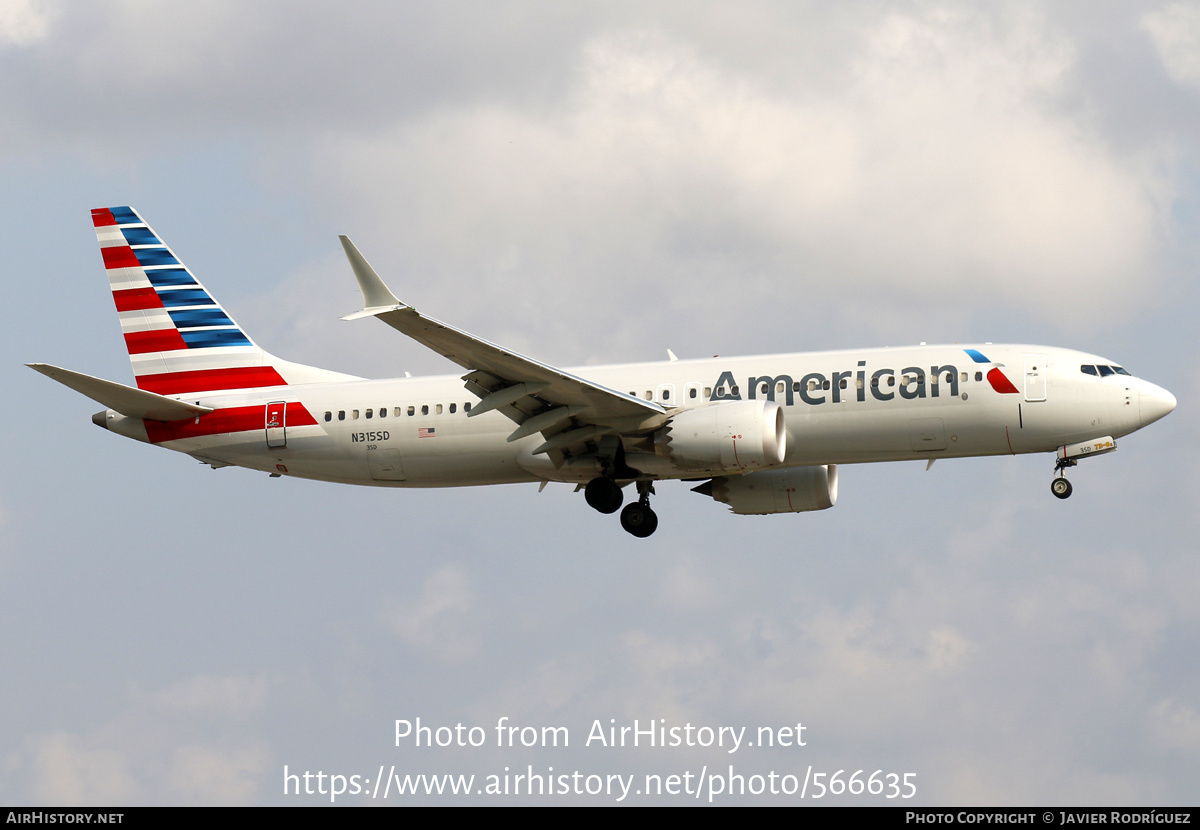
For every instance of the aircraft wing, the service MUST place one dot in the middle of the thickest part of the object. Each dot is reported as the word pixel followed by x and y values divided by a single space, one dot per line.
pixel 565 408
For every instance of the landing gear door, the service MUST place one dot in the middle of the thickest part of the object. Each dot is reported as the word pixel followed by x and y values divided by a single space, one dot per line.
pixel 276 420
pixel 1035 377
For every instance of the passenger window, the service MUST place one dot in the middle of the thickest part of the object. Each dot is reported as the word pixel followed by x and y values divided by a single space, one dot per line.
pixel 649 395
pixel 328 416
pixel 353 414
pixel 425 409
pixel 979 376
pixel 964 377
pixel 453 407
pixel 438 409
pixel 666 394
pixel 369 411
pixel 763 389
pixel 1088 370
pixel 825 385
pixel 843 383
pixel 341 414
pixel 707 392
pixel 891 380
pixel 412 410
pixel 874 383
pixel 692 392
pixel 383 412
pixel 735 391
pixel 812 386
pixel 467 406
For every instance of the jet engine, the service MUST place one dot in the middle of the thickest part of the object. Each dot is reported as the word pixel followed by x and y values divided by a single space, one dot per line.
pixel 728 436
pixel 793 490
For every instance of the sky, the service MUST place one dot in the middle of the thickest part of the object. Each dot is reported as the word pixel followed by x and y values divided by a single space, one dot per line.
pixel 594 183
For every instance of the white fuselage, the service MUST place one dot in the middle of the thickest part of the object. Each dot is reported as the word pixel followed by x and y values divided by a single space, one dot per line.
pixel 840 407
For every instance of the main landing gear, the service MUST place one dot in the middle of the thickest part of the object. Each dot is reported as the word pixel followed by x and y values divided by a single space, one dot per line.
pixel 604 494
pixel 637 518
pixel 1060 487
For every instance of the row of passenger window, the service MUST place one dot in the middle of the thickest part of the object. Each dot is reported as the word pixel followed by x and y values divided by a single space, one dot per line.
pixel 693 393
pixel 1102 371
pixel 398 411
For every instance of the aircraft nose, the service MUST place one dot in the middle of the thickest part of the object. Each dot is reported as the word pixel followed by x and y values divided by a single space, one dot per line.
pixel 1154 402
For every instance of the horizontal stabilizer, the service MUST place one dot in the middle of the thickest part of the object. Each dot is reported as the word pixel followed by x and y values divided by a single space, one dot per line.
pixel 134 403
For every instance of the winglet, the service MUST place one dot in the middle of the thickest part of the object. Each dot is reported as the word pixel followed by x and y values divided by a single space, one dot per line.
pixel 377 296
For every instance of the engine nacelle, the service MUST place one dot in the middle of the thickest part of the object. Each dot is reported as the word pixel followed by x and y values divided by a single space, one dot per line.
pixel 728 436
pixel 793 490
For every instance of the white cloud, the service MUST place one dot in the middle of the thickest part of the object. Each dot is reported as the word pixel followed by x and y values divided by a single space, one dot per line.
pixel 440 621
pixel 24 22
pixel 1175 725
pixel 226 697
pixel 184 744
pixel 73 769
pixel 203 773
pixel 1175 31
pixel 686 585
pixel 943 176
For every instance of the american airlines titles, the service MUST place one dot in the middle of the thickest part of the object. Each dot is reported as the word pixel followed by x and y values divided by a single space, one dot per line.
pixel 816 388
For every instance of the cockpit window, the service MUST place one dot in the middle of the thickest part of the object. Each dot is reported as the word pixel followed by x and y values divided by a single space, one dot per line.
pixel 1087 370
pixel 1105 371
pixel 1120 371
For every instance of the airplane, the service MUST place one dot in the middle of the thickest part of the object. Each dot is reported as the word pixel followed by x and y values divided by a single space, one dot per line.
pixel 762 434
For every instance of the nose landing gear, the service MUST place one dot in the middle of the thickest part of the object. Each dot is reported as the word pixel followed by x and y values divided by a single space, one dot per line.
pixel 1060 487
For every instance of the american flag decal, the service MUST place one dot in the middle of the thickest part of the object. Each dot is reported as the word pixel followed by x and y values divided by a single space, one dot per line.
pixel 425 432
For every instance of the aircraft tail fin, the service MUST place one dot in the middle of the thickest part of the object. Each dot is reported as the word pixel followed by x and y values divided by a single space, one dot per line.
pixel 180 340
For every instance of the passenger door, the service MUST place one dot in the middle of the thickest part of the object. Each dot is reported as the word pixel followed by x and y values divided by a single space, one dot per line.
pixel 1035 377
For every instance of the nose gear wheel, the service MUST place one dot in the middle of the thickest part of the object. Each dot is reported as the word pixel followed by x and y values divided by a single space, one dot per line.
pixel 1060 487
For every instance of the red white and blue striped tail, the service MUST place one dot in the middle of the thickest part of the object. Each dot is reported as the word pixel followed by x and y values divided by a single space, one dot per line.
pixel 180 340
